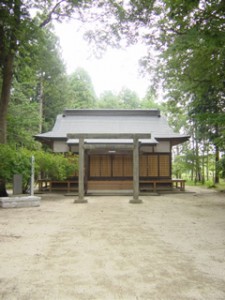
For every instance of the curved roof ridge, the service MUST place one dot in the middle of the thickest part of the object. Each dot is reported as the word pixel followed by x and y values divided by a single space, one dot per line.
pixel 112 112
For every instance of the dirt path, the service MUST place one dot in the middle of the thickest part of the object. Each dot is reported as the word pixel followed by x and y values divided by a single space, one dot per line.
pixel 169 247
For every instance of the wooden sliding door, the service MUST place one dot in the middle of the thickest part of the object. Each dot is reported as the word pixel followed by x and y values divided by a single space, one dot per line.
pixel 155 165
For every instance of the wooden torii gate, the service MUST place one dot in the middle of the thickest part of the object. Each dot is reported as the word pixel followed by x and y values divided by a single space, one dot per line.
pixel 135 147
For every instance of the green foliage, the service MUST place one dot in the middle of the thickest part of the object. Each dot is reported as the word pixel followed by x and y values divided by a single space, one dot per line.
pixel 108 100
pixel 221 167
pixel 18 161
pixel 210 184
pixel 191 64
pixel 6 162
pixel 179 166
pixel 40 78
pixel 26 45
pixel 55 166
pixel 125 99
pixel 81 92
pixel 23 124
pixel 51 87
pixel 14 161
pixel 149 101
pixel 128 99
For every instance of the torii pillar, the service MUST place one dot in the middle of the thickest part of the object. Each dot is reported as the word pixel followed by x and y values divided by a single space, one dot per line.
pixel 136 171
pixel 81 173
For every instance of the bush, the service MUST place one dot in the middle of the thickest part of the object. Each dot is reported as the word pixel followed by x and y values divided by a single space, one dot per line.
pixel 210 184
pixel 18 161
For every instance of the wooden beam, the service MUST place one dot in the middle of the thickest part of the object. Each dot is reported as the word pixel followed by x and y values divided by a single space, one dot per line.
pixel 108 135
pixel 109 146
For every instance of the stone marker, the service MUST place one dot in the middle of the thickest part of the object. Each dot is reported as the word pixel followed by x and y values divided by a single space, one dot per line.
pixel 17 184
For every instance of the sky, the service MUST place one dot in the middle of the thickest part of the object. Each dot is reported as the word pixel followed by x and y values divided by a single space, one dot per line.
pixel 116 69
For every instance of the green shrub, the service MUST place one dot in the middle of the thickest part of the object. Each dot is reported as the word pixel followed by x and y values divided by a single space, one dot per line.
pixel 49 165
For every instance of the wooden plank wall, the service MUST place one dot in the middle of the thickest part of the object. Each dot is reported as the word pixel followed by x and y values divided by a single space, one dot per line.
pixel 119 166
pixel 155 165
pixel 164 166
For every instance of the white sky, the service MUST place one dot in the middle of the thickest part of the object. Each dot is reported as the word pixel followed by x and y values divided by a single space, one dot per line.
pixel 115 70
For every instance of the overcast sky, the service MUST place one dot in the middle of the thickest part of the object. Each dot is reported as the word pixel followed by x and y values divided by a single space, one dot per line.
pixel 117 68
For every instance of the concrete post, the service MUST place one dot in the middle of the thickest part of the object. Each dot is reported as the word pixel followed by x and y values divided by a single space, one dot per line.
pixel 32 177
pixel 81 173
pixel 136 171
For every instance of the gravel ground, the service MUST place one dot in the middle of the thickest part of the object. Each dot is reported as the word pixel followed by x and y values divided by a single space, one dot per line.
pixel 169 247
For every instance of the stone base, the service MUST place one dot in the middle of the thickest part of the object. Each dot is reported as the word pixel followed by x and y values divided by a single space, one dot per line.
pixel 80 200
pixel 135 201
pixel 19 201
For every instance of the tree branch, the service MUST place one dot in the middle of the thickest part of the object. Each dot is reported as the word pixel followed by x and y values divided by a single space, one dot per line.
pixel 49 16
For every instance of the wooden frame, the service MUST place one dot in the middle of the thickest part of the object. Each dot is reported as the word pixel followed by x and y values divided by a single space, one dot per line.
pixel 175 183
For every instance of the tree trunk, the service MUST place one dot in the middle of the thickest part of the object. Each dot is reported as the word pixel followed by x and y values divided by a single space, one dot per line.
pixel 207 164
pixel 4 103
pixel 41 100
pixel 217 157
pixel 3 192
pixel 197 163
pixel 7 75
pixel 7 65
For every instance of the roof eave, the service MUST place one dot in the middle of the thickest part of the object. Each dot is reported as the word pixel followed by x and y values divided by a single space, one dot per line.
pixel 175 140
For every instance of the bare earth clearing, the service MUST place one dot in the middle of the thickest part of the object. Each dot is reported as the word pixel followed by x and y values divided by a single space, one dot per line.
pixel 169 247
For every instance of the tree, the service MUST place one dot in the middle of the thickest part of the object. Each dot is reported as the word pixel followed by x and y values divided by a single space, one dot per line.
pixel 108 100
pixel 18 29
pixel 125 99
pixel 80 90
pixel 51 81
pixel 38 90
pixel 221 167
pixel 128 99
pixel 195 58
pixel 11 15
pixel 23 124
pixel 149 101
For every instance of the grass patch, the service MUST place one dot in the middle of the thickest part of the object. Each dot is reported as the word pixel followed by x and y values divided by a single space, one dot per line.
pixel 208 184
pixel 221 186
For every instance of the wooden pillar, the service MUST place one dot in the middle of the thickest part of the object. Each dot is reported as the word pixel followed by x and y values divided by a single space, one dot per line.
pixel 136 171
pixel 81 173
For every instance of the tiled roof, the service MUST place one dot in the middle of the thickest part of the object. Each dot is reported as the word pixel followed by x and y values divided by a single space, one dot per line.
pixel 112 121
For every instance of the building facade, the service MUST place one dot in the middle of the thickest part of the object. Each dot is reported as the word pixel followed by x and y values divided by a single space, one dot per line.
pixel 108 138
